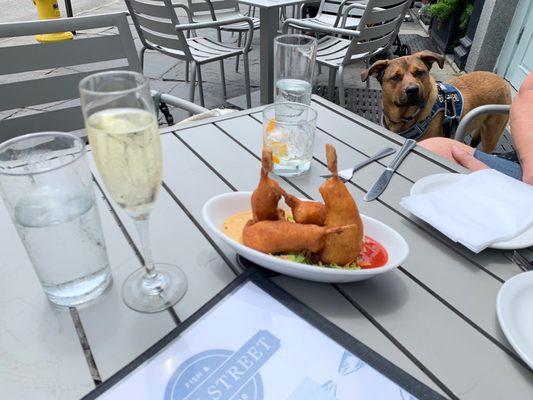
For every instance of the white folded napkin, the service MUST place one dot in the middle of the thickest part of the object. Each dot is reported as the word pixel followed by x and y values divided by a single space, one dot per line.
pixel 480 209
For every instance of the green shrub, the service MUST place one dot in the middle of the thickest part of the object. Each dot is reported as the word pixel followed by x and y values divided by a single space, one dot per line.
pixel 465 16
pixel 443 10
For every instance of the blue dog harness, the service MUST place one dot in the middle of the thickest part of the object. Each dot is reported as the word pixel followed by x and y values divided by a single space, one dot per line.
pixel 450 101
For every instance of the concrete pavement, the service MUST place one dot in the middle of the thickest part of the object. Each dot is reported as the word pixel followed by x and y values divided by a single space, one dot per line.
pixel 25 10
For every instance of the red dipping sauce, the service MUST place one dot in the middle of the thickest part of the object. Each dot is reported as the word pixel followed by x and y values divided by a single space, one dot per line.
pixel 373 254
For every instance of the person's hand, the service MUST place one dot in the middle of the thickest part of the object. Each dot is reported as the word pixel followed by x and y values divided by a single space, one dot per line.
pixel 527 176
pixel 467 159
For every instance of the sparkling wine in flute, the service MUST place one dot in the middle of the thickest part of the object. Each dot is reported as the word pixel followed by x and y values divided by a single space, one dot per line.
pixel 127 151
pixel 121 123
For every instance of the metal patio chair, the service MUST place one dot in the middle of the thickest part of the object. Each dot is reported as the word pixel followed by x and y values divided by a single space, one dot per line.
pixel 462 129
pixel 159 29
pixel 114 51
pixel 376 32
pixel 219 10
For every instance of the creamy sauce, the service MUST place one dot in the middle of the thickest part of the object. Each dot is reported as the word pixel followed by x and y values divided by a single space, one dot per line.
pixel 234 225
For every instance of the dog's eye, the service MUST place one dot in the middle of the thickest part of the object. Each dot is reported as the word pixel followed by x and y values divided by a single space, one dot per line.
pixel 396 78
pixel 419 73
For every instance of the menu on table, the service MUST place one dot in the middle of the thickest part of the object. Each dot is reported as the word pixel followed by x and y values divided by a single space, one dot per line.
pixel 256 342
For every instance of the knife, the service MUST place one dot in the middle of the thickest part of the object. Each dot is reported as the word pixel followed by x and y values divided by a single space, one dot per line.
pixel 382 182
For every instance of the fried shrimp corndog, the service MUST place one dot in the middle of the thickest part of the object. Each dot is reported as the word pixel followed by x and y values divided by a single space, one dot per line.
pixel 265 197
pixel 344 248
pixel 306 212
pixel 276 237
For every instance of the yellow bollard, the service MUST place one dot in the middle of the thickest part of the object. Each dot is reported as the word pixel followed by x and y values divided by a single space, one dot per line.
pixel 48 9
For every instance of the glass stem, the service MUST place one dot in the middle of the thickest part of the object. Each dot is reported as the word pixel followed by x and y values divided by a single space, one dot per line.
pixel 143 228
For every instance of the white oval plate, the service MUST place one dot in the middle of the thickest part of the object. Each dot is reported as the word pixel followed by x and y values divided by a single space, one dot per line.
pixel 431 183
pixel 220 207
pixel 513 307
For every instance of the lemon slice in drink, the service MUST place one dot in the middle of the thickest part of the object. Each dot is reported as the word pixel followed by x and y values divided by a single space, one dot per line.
pixel 278 148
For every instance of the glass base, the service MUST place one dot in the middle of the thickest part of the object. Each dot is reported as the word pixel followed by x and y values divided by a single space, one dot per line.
pixel 81 291
pixel 291 168
pixel 153 294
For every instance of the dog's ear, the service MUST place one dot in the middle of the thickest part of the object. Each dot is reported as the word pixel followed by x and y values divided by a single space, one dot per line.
pixel 376 70
pixel 428 57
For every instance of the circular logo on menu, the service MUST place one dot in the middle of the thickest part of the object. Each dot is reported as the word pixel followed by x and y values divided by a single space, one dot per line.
pixel 210 375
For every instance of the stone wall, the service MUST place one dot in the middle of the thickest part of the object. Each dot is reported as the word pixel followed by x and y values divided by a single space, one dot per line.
pixel 491 30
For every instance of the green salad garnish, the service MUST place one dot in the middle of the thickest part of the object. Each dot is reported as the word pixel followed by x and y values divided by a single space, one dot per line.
pixel 295 257
pixel 303 259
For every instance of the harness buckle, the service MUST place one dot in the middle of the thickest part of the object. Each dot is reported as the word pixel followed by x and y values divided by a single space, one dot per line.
pixel 450 117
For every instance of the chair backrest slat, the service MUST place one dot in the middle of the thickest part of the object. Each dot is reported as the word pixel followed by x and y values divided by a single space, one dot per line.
pixel 156 26
pixel 377 31
pixel 202 7
pixel 378 27
pixel 373 45
pixel 153 9
pixel 34 57
pixel 115 50
pixel 386 14
pixel 386 3
pixel 155 23
pixel 64 120
pixel 165 41
pixel 331 7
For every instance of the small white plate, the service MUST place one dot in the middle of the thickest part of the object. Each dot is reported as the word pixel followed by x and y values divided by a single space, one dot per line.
pixel 220 207
pixel 431 183
pixel 513 306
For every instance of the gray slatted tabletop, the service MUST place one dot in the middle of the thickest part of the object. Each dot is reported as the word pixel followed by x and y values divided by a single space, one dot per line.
pixel 434 316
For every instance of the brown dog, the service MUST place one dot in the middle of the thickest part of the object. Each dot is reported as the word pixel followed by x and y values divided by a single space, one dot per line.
pixel 409 93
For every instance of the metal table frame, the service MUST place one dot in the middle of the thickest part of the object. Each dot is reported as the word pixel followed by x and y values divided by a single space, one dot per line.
pixel 269 18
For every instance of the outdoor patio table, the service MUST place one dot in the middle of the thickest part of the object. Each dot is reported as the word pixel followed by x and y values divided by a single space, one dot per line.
pixel 269 18
pixel 434 316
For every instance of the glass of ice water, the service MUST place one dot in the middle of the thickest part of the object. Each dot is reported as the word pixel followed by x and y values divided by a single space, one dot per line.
pixel 47 188
pixel 289 132
pixel 294 66
pixel 122 127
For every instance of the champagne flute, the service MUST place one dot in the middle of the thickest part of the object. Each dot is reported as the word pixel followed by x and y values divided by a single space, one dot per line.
pixel 122 127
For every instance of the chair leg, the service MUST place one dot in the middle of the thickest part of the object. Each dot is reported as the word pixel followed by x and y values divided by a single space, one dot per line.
pixel 200 84
pixel 239 45
pixel 319 66
pixel 187 62
pixel 247 81
pixel 340 84
pixel 192 82
pixel 224 94
pixel 223 76
pixel 367 63
pixel 331 84
pixel 141 57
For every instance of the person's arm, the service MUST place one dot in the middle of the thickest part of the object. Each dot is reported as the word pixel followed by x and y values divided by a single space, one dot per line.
pixel 521 118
